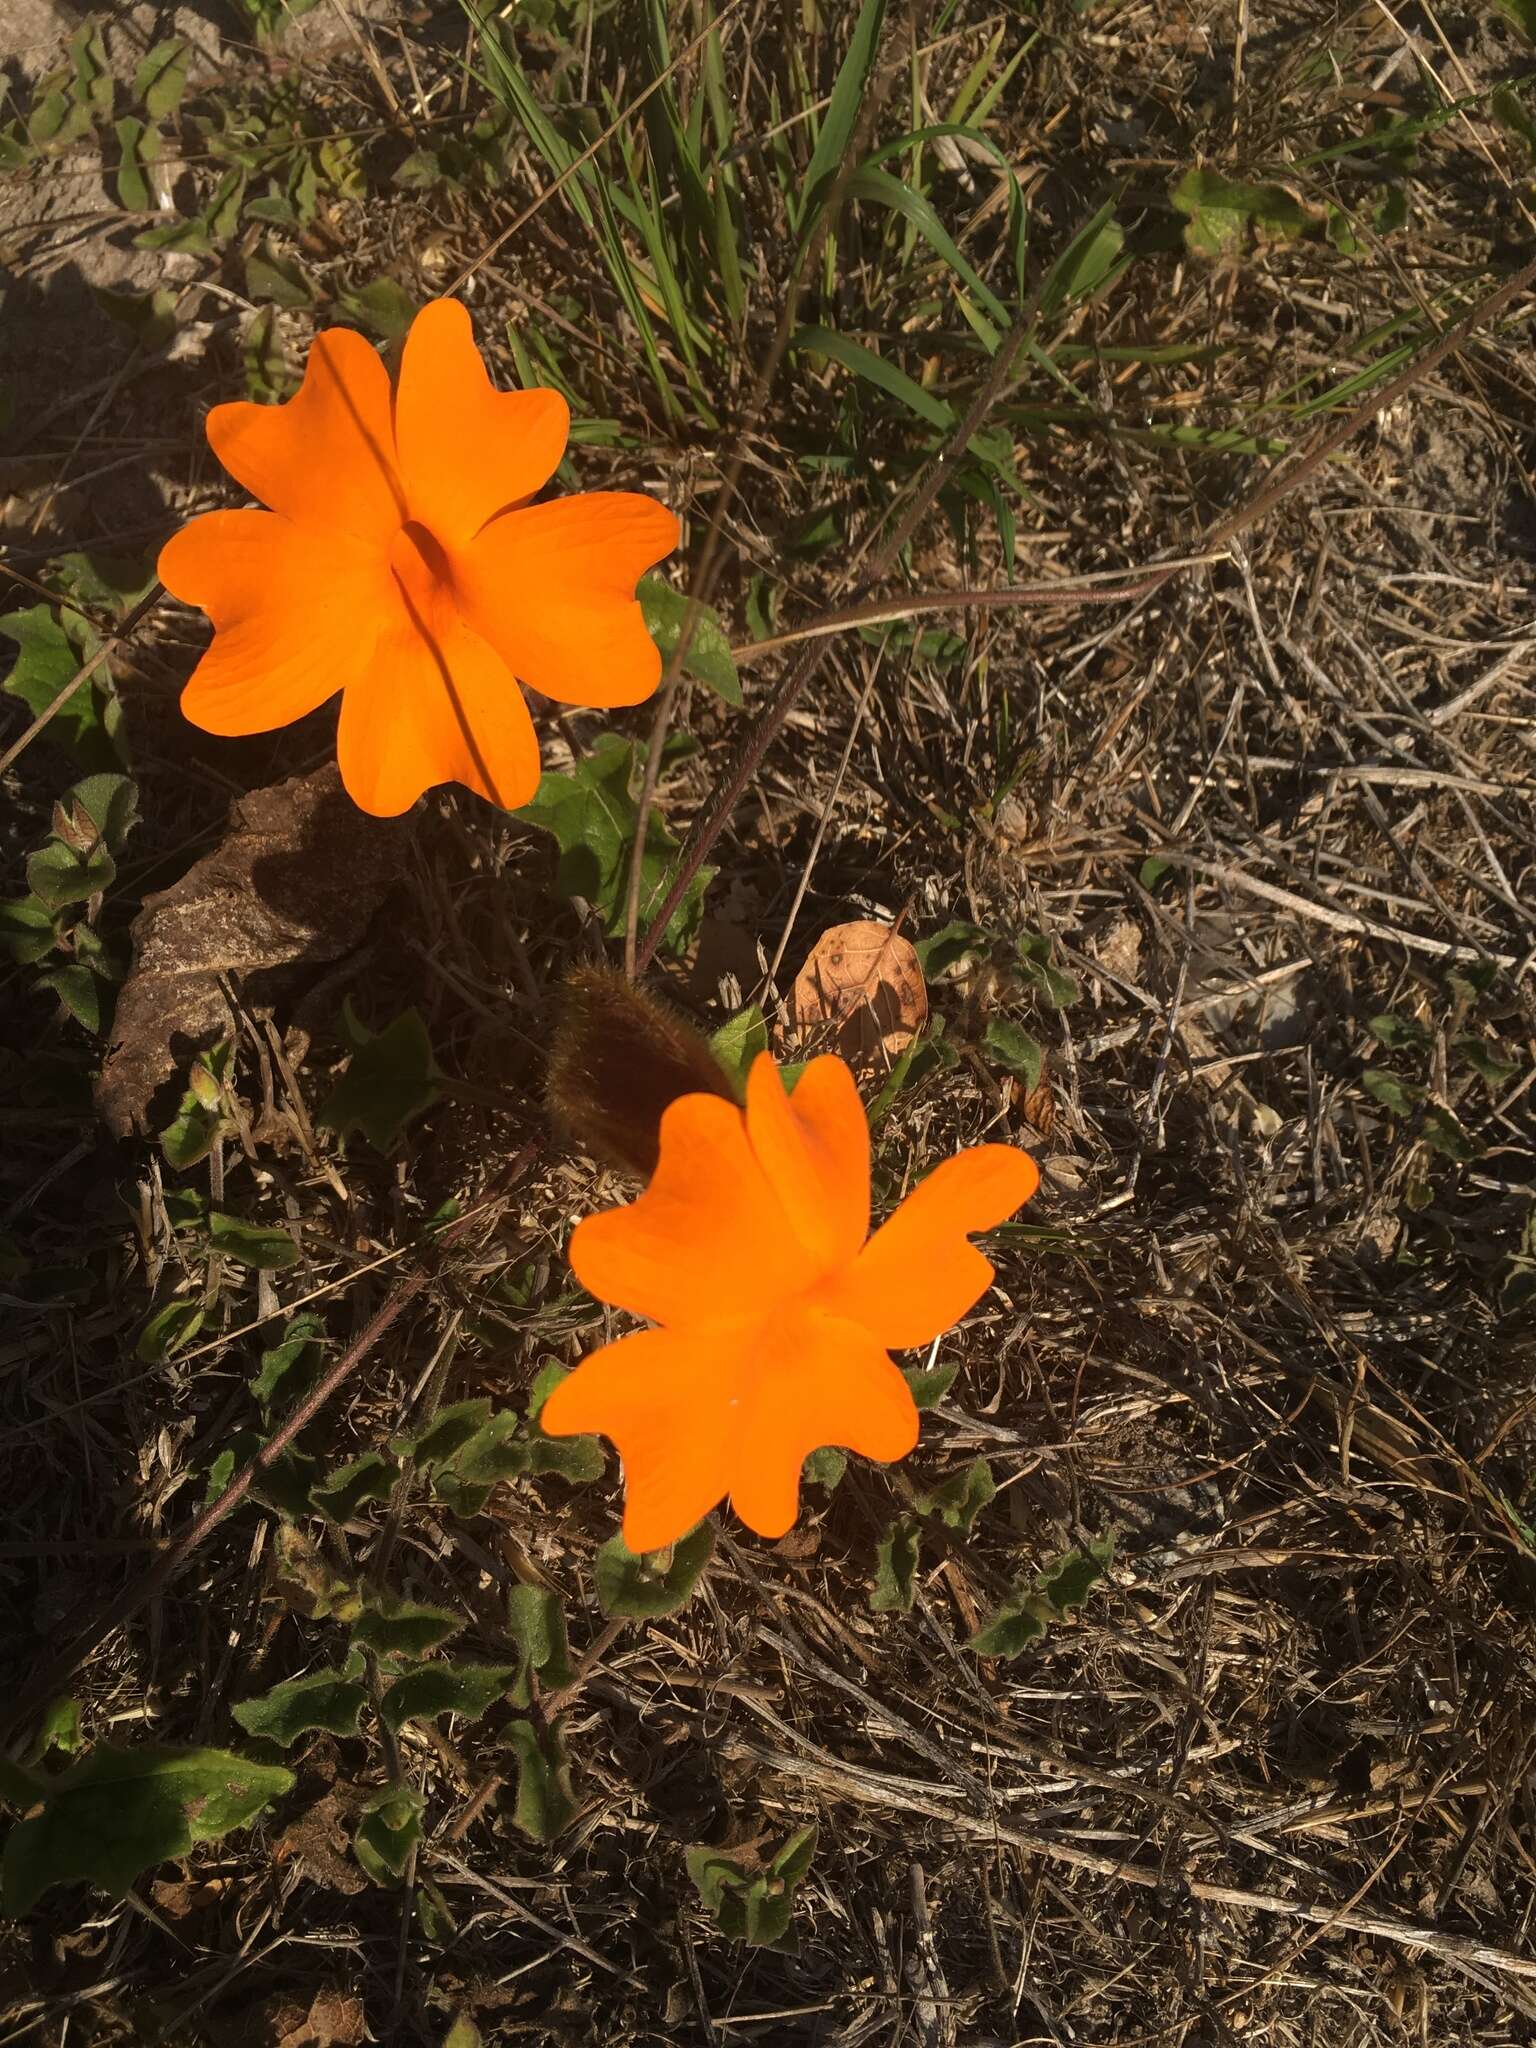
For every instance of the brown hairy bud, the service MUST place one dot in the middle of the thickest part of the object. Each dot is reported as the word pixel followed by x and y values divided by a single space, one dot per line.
pixel 619 1057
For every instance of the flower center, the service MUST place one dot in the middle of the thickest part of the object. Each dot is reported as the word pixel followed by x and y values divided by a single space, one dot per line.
pixel 422 566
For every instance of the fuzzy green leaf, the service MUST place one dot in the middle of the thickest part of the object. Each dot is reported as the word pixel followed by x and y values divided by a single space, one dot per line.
pixel 168 1330
pixel 896 1560
pixel 592 813
pixel 929 1385
pixel 118 1813
pixel 324 1700
pixel 252 1244
pixel 737 1044
pixel 631 1585
pixel 391 1078
pixel 389 1830
pixel 468 1690
pixel 537 1621
pixel 958 1500
pixel 401 1628
pixel 545 1803
pixel 709 647
pixel 368 1478
pixel 1012 1047
pixel 161 78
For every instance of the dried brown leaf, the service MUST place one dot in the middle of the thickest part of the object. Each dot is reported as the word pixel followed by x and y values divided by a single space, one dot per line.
pixel 294 883
pixel 861 993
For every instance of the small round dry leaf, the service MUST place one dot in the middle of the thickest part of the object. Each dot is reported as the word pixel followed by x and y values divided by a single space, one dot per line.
pixel 861 994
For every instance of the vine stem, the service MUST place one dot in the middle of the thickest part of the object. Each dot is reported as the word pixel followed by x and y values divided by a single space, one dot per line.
pixel 748 758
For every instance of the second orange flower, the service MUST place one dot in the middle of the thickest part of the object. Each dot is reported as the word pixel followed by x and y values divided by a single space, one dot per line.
pixel 403 563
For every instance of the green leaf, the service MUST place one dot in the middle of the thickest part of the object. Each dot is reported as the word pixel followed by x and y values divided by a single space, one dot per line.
pixel 947 948
pixel 958 1500
pixel 580 1459
pixel 494 1456
pixel 592 814
pixel 118 1813
pixel 444 1436
pixel 324 1701
pixel 252 1244
pixel 737 1044
pixel 80 990
pixel 1392 1091
pixel 1034 955
pixel 27 932
pixel 1445 1133
pixel 59 1730
pixel 824 1468
pixel 1013 1048
pixel 1056 1592
pixel 929 1384
pixel 750 1900
pixel 389 1830
pixel 1089 260
pixel 58 876
pixel 289 1368
pixel 835 134
pixel 189 1136
pixel 709 648
pixel 391 1078
pixel 468 1690
pixel 1523 14
pixel 863 362
pixel 368 1478
pixel 896 1561
pixel 536 1618
pixel 161 78
pixel 277 278
pixel 49 656
pixel 190 237
pixel 545 1803
pixel 168 1330
pixel 1395 1032
pixel 385 308
pixel 401 1628
pixel 138 146
pixel 636 1586
pixel 1220 213
pixel 1487 1059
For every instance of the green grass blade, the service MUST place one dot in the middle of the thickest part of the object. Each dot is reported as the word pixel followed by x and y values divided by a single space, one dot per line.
pixel 836 132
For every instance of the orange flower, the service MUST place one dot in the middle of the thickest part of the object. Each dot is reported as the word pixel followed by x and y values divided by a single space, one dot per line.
pixel 404 564
pixel 775 1308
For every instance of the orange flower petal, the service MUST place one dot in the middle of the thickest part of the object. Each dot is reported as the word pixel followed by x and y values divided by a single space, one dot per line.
pixel 326 458
pixel 707 1240
pixel 436 705
pixel 552 587
pixel 294 620
pixel 665 1399
pixel 813 1380
pixel 814 1148
pixel 466 450
pixel 918 1275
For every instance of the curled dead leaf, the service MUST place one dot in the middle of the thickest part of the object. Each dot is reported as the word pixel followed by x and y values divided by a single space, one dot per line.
pixel 294 882
pixel 861 994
